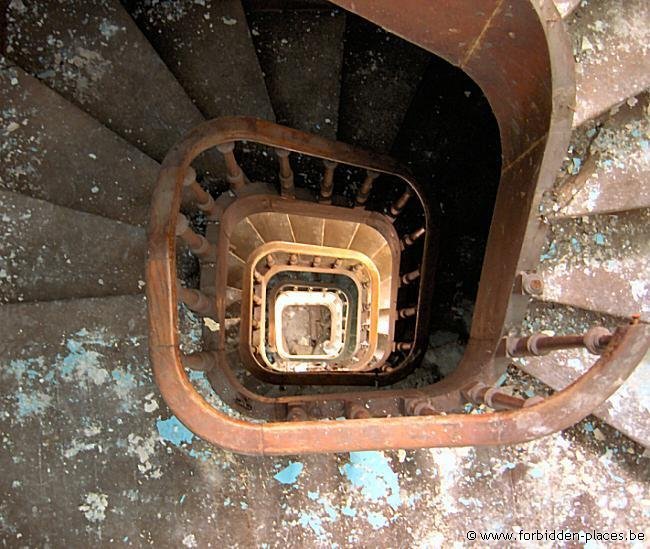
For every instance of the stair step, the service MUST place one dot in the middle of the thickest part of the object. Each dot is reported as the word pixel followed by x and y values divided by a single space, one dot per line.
pixel 600 263
pixel 307 230
pixel 301 53
pixel 616 173
pixel 98 59
pixel 272 226
pixel 76 386
pixel 98 320
pixel 50 252
pixel 381 73
pixel 367 241
pixel 338 234
pixel 244 240
pixel 235 271
pixel 54 151
pixel 611 42
pixel 627 409
pixel 208 48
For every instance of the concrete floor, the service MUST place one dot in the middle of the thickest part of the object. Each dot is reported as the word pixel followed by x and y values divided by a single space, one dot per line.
pixel 91 456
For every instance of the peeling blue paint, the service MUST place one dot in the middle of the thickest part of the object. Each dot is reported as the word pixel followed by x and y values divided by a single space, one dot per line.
pixel 19 368
pixel 575 244
pixel 290 473
pixel 81 362
pixel 172 430
pixel 377 520
pixel 576 164
pixel 349 511
pixel 32 404
pixel 599 239
pixel 314 522
pixel 371 472
pixel 201 455
pixel 550 254
pixel 331 511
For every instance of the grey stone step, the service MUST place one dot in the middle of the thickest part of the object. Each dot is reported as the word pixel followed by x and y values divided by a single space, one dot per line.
pixel 611 47
pixel 96 57
pixel 301 53
pixel 87 440
pixel 600 263
pixel 209 49
pixel 381 73
pixel 615 170
pixel 54 151
pixel 48 252
pixel 627 409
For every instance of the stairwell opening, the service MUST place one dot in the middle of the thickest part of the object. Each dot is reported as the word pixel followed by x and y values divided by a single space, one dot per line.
pixel 440 157
pixel 442 128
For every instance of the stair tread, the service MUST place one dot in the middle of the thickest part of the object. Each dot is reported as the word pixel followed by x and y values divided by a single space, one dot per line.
pixel 54 151
pixel 80 397
pixel 51 252
pixel 627 409
pixel 301 54
pixel 624 410
pixel 208 48
pixel 615 175
pixel 611 43
pixel 377 84
pixel 98 59
pixel 600 263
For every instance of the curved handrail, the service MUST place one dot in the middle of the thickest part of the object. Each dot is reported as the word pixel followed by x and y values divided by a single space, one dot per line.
pixel 559 411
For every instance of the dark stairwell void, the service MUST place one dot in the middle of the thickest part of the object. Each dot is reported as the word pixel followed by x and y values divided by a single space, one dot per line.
pixel 397 98
pixel 433 118
pixel 450 141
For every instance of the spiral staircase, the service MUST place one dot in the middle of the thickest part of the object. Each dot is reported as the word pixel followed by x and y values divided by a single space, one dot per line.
pixel 316 256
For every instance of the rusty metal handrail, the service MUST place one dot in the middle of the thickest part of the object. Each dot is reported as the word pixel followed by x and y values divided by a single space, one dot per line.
pixel 563 409
pixel 623 352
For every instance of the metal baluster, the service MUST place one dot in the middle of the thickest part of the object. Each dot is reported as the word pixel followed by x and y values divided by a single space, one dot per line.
pixel 197 243
pixel 327 185
pixel 399 204
pixel 403 346
pixel 595 341
pixel 479 393
pixel 204 201
pixel 408 312
pixel 286 174
pixel 196 301
pixel 366 187
pixel 202 361
pixel 410 239
pixel 235 176
pixel 410 277
pixel 354 410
